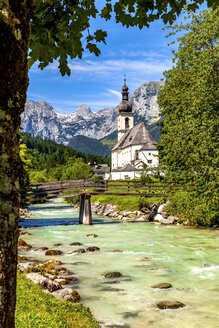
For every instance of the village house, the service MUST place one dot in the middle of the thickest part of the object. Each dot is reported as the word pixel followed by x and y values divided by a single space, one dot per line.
pixel 136 148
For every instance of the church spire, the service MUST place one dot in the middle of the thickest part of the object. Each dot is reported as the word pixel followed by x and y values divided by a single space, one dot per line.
pixel 125 114
pixel 125 94
pixel 125 105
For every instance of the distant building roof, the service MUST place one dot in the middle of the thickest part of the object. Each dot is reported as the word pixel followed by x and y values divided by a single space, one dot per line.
pixel 126 168
pixel 138 135
pixel 100 169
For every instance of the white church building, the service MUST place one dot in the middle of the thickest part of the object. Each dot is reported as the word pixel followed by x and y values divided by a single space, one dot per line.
pixel 136 148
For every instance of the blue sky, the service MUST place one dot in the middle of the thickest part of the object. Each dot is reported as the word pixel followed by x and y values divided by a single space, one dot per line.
pixel 96 81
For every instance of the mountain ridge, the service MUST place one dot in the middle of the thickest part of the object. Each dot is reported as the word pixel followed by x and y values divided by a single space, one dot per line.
pixel 41 119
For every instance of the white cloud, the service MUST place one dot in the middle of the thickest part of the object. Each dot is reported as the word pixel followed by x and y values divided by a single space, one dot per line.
pixel 115 92
pixel 113 68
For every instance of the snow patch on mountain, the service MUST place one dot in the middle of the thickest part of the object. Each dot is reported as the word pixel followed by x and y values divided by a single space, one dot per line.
pixel 41 119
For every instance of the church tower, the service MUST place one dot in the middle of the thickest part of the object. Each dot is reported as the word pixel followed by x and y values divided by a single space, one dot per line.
pixel 125 115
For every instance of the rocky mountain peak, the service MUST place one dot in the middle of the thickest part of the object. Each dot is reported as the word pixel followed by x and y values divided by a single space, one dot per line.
pixel 83 110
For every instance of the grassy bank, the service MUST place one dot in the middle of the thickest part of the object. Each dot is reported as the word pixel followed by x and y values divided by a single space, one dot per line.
pixel 35 309
pixel 133 203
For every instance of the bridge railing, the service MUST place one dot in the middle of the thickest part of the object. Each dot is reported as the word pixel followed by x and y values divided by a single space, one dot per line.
pixel 110 187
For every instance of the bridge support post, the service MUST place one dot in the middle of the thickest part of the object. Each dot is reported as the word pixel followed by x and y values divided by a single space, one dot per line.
pixel 85 216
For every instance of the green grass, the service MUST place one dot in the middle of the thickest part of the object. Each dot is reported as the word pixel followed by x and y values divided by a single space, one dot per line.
pixel 129 203
pixel 35 309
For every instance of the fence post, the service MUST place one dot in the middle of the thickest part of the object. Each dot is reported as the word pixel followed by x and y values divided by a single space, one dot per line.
pixel 106 185
pixel 61 187
pixel 149 187
pixel 128 186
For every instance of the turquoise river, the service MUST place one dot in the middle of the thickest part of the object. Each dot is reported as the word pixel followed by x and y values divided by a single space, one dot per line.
pixel 185 257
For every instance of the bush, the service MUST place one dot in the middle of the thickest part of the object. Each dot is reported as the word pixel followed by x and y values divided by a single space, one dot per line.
pixel 198 209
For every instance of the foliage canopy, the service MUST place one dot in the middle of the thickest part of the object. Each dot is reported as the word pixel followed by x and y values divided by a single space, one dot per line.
pixel 62 29
pixel 45 160
pixel 189 133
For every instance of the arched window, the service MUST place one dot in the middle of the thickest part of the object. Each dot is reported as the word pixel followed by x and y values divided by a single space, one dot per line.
pixel 127 123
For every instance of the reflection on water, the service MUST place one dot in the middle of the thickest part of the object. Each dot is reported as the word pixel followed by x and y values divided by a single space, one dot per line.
pixel 186 258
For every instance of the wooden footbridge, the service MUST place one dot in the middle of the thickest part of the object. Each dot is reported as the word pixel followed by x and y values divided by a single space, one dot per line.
pixel 86 188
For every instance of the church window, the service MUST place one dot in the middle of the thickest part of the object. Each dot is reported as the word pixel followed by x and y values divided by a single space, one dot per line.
pixel 127 123
pixel 130 139
pixel 149 161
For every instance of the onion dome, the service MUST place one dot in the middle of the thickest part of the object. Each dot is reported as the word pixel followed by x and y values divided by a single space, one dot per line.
pixel 125 105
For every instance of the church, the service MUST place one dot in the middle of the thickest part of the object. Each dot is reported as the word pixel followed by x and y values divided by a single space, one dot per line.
pixel 136 148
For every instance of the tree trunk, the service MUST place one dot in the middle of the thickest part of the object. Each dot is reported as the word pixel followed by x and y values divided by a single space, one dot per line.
pixel 14 37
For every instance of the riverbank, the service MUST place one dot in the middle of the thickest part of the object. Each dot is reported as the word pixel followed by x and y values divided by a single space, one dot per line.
pixel 151 212
pixel 35 309
pixel 144 254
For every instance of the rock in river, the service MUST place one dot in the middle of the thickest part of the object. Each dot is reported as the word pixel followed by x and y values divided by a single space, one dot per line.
pixel 76 244
pixel 145 258
pixel 53 252
pixel 162 285
pixel 23 244
pixel 92 235
pixel 162 305
pixel 93 249
pixel 79 250
pixel 41 249
pixel 113 275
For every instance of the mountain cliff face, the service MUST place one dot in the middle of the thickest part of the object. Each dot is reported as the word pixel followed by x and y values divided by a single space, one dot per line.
pixel 41 119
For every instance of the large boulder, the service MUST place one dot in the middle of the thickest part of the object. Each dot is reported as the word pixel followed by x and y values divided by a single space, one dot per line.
pixel 158 218
pixel 21 258
pixel 113 214
pixel 125 213
pixel 169 220
pixel 23 244
pixel 161 208
pixel 67 294
pixel 44 282
pixel 108 209
pixel 53 252
pixel 93 249
pixel 61 271
pixel 49 267
pixel 27 267
pixel 152 214
pixel 79 250
pixel 76 244
pixel 163 305
pixel 23 232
